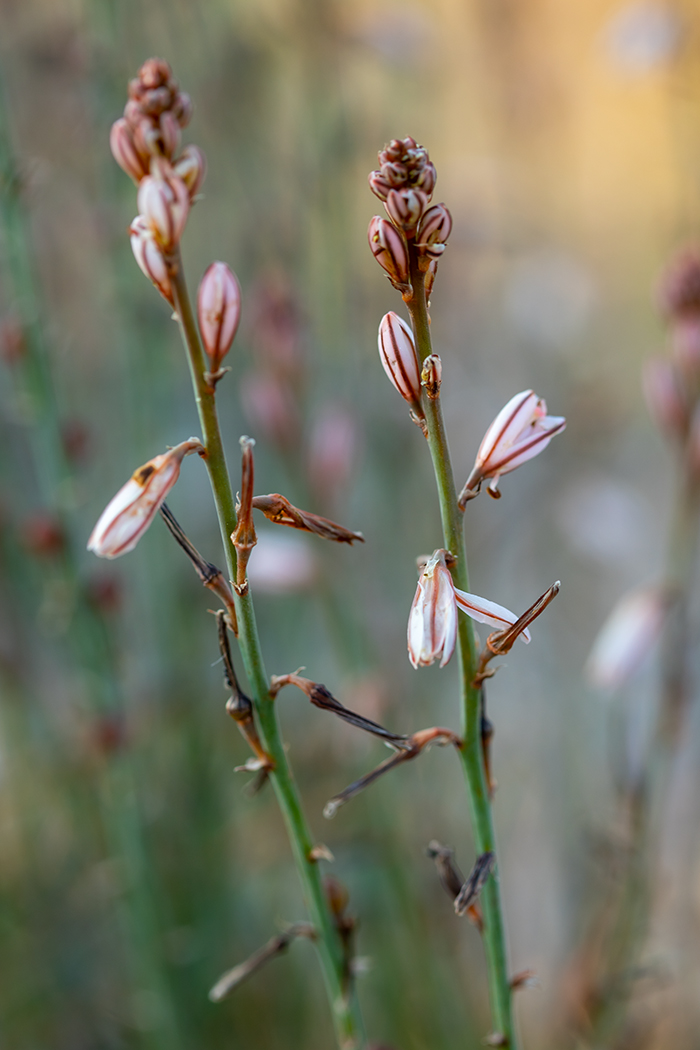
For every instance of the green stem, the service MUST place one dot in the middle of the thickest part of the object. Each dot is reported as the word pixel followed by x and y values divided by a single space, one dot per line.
pixel 471 753
pixel 344 1005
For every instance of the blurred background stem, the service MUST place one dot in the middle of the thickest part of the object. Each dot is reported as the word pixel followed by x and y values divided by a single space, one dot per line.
pixel 88 633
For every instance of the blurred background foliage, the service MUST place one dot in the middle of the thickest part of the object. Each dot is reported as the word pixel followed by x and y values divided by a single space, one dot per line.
pixel 133 868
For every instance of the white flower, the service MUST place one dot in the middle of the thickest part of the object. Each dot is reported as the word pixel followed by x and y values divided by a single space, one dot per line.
pixel 127 516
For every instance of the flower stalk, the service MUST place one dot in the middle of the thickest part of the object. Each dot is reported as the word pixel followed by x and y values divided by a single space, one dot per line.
pixel 344 1007
pixel 471 752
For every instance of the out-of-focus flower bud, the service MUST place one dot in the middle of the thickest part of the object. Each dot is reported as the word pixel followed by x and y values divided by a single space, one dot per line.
pixel 124 151
pixel 75 438
pixel 127 516
pixel 164 203
pixel 431 376
pixel 432 621
pixel 388 247
pixel 269 405
pixel 218 310
pixel 521 430
pixel 434 230
pixel 150 257
pixel 281 564
pixel 626 637
pixel 332 451
pixel 665 399
pixel 398 355
pixel 405 208
pixel 685 346
pixel 679 290
pixel 43 535
pixel 275 325
pixel 191 167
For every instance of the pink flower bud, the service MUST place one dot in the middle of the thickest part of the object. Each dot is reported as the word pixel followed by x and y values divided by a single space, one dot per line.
pixel 121 143
pixel 169 133
pixel 426 179
pixel 128 515
pixel 521 430
pixel 666 402
pixel 388 247
pixel 191 167
pixel 218 310
pixel 398 355
pixel 405 207
pixel 164 202
pixel 379 185
pixel 626 637
pixel 432 621
pixel 685 346
pixel 150 257
pixel 434 230
pixel 183 108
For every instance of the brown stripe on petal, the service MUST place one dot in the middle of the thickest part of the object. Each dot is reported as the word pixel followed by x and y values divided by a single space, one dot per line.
pixel 408 388
pixel 525 446
pixel 497 440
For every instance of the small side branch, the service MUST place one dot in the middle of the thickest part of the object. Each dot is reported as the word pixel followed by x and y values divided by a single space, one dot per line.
pixel 211 577
pixel 323 698
pixel 416 744
pixel 274 947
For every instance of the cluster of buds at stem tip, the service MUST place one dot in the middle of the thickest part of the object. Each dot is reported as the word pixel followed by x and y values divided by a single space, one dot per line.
pixel 521 430
pixel 404 182
pixel 154 115
pixel 128 515
pixel 432 621
pixel 397 351
pixel 218 313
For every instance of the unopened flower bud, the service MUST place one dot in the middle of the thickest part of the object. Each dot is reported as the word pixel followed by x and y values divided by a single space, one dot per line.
pixel 666 402
pixel 388 247
pixel 191 167
pixel 164 202
pixel 434 230
pixel 427 178
pixel 183 108
pixel 128 515
pixel 379 185
pixel 124 151
pixel 431 376
pixel 398 355
pixel 169 133
pixel 150 257
pixel 405 208
pixel 218 310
